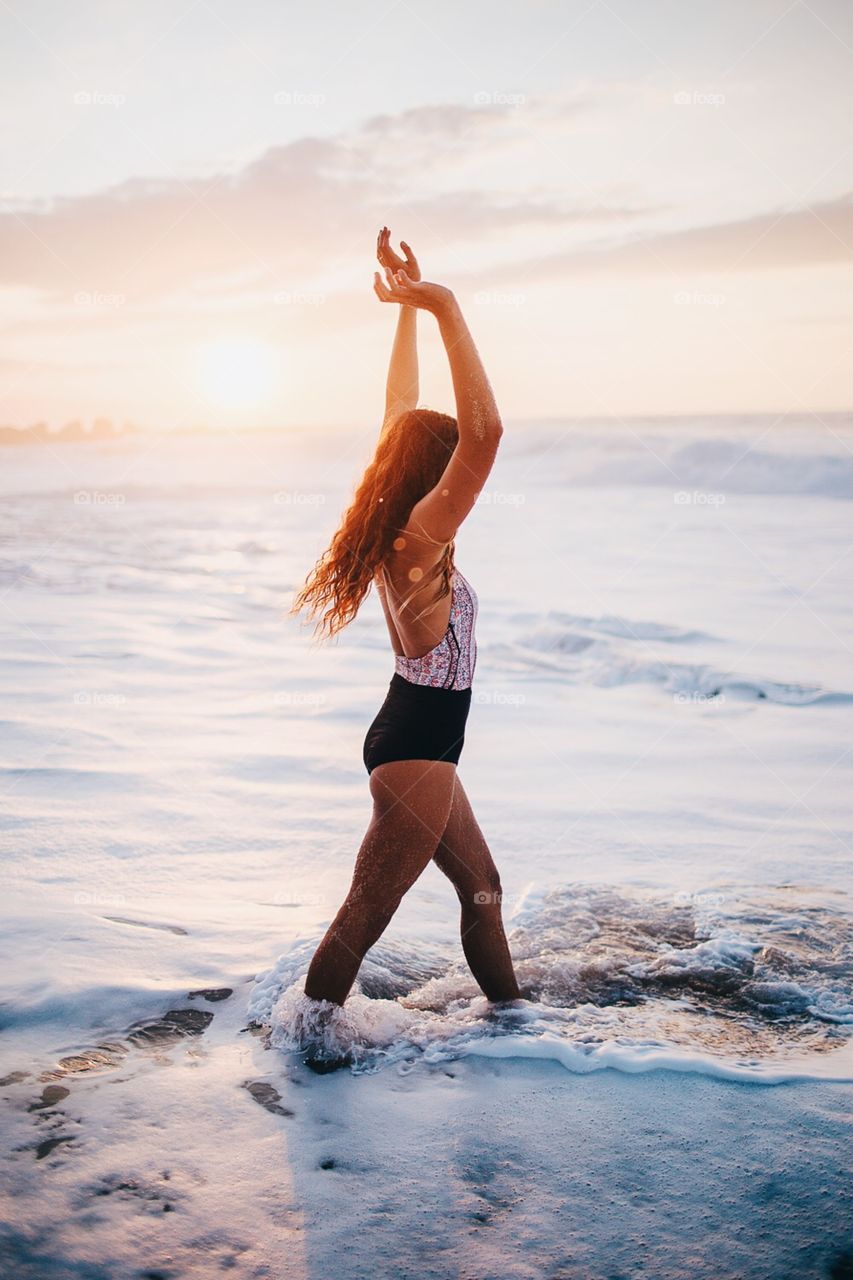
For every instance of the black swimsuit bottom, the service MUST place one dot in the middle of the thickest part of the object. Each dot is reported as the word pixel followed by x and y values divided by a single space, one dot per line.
pixel 417 722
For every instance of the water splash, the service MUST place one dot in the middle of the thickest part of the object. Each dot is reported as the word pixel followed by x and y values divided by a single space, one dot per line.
pixel 740 983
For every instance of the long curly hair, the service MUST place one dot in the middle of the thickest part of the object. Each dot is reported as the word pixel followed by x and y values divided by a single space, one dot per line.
pixel 409 461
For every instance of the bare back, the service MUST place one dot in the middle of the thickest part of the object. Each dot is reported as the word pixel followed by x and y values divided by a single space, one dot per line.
pixel 409 585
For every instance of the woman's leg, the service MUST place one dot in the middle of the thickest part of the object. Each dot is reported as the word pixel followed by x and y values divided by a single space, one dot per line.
pixel 411 805
pixel 464 857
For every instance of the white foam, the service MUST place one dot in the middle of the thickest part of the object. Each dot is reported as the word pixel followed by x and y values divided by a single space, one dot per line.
pixel 376 1033
pixel 582 1059
pixel 331 1030
pixel 636 981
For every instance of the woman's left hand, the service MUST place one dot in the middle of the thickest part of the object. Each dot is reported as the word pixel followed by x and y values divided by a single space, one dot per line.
pixel 392 261
pixel 414 293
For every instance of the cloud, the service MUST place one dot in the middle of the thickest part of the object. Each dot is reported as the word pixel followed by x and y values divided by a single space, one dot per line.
pixel 145 237
pixel 291 212
pixel 297 213
pixel 433 121
pixel 807 236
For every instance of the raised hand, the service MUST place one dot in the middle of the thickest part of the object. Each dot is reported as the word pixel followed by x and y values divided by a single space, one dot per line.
pixel 400 288
pixel 391 260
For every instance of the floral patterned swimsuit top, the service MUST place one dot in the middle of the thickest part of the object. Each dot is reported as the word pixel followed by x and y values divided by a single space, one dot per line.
pixel 450 664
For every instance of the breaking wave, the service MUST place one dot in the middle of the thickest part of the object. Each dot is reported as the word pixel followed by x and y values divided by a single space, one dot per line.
pixel 743 986
pixel 610 652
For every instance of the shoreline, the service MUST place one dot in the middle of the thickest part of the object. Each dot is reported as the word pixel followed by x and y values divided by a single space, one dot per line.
pixel 468 1168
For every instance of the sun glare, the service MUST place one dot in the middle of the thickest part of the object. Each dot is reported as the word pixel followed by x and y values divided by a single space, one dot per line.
pixel 236 373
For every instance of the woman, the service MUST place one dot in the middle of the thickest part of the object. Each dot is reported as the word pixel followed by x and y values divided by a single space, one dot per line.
pixel 399 534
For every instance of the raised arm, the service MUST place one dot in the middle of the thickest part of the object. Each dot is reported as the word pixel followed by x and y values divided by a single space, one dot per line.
pixel 442 510
pixel 401 390
pixel 476 409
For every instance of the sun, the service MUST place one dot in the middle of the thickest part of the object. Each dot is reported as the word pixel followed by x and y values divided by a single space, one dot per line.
pixel 236 373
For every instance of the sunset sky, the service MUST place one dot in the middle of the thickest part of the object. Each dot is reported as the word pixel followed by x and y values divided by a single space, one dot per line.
pixel 644 206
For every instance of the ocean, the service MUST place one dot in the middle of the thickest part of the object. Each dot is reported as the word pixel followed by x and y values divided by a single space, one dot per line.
pixel 659 754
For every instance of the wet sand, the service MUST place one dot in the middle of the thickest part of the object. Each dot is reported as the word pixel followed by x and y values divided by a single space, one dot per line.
pixel 205 1152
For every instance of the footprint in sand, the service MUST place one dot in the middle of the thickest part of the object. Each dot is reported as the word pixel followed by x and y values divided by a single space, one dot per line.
pixel 487 1176
pixel 155 1195
pixel 174 1025
pixel 50 1144
pixel 14 1077
pixel 51 1094
pixel 107 1054
pixel 161 1033
pixel 267 1096
pixel 50 1117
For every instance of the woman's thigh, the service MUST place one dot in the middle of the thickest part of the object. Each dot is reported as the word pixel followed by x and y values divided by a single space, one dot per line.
pixel 463 854
pixel 412 800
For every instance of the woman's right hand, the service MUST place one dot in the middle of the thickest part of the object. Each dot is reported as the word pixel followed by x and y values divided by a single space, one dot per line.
pixel 388 258
pixel 398 287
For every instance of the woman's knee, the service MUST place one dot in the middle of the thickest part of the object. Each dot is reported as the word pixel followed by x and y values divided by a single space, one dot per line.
pixel 486 891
